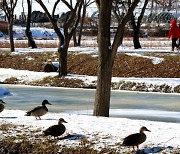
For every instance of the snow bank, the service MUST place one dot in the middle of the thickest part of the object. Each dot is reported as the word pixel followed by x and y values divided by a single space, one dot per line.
pixel 23 75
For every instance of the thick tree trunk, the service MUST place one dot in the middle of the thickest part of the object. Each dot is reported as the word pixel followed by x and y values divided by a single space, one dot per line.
pixel 31 42
pixel 62 61
pixel 103 90
pixel 63 52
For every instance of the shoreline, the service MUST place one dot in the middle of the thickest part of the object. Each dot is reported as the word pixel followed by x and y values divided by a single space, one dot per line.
pixel 114 90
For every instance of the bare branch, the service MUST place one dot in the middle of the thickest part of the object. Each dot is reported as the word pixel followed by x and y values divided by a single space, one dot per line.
pixel 123 22
pixel 68 5
pixel 54 8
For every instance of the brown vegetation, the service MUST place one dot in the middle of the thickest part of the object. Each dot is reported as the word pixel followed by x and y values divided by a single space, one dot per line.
pixel 84 64
pixel 4 27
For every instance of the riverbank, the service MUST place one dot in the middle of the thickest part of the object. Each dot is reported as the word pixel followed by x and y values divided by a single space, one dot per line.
pixel 12 76
pixel 148 72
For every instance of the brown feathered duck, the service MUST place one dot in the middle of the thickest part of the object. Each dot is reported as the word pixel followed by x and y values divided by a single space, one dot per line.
pixel 1 105
pixel 39 110
pixel 56 130
pixel 135 139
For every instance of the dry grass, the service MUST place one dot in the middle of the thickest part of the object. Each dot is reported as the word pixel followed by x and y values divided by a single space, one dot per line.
pixel 62 82
pixel 19 139
pixel 32 141
pixel 85 64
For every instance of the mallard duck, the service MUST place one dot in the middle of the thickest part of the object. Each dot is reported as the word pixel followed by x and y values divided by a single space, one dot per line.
pixel 39 110
pixel 1 105
pixel 135 139
pixel 56 130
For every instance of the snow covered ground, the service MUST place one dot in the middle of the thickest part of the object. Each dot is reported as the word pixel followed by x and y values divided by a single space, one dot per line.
pixel 103 131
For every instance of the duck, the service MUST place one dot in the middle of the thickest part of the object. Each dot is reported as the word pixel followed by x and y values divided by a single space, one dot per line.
pixel 1 105
pixel 135 139
pixel 39 111
pixel 56 130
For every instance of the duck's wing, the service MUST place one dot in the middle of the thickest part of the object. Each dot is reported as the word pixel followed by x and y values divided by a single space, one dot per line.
pixel 131 139
pixel 51 130
pixel 134 139
pixel 1 107
pixel 33 110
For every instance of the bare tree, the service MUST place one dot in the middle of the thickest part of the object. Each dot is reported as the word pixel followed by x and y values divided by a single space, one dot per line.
pixel 136 24
pixel 119 9
pixel 69 28
pixel 31 42
pixel 8 7
pixel 86 3
pixel 107 52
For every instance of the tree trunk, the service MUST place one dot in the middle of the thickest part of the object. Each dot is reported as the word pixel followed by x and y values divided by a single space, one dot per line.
pixel 63 54
pixel 63 39
pixel 10 30
pixel 121 38
pixel 107 53
pixel 136 30
pixel 81 25
pixel 137 26
pixel 103 89
pixel 75 39
pixel 62 61
pixel 136 41
pixel 31 42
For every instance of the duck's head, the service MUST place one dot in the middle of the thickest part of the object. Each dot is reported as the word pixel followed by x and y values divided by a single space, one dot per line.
pixel 1 101
pixel 61 120
pixel 142 129
pixel 46 102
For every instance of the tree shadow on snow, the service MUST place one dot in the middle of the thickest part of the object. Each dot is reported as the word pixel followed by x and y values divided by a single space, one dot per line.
pixel 73 137
pixel 8 117
pixel 152 150
pixel 49 119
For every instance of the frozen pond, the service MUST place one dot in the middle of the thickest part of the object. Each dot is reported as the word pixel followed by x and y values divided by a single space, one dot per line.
pixel 134 105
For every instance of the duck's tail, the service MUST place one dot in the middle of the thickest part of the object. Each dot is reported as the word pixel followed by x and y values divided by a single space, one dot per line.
pixel 45 133
pixel 28 114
